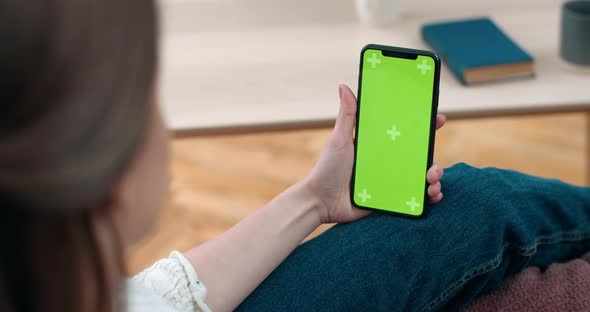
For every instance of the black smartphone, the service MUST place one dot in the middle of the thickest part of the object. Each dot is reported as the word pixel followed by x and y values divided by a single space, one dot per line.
pixel 395 129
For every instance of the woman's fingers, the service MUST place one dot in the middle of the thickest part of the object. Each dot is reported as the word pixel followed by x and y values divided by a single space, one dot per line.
pixel 434 190
pixel 440 121
pixel 347 115
pixel 345 122
pixel 436 199
pixel 434 174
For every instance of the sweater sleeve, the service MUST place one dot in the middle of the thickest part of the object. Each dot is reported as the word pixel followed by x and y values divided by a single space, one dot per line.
pixel 175 280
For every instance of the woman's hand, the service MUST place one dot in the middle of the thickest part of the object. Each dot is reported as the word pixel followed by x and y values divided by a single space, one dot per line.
pixel 329 180
pixel 233 264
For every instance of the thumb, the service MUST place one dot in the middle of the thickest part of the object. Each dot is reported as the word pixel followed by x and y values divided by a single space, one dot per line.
pixel 346 119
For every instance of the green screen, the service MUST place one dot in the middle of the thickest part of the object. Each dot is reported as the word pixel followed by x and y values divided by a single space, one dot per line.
pixel 393 132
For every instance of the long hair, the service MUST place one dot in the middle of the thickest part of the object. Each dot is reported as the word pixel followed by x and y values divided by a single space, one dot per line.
pixel 76 80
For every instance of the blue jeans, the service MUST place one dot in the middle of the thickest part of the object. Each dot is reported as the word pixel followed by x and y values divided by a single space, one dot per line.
pixel 492 223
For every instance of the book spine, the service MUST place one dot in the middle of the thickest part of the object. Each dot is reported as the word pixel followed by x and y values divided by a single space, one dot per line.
pixel 457 70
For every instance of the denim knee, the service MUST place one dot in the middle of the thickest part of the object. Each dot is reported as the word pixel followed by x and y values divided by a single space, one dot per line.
pixel 489 193
pixel 522 209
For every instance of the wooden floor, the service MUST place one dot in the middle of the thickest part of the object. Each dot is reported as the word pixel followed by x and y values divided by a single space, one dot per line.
pixel 218 180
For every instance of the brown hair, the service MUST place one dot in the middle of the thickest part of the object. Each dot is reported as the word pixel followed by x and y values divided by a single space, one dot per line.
pixel 75 89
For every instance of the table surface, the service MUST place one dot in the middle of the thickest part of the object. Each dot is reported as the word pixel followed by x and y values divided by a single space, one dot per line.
pixel 230 65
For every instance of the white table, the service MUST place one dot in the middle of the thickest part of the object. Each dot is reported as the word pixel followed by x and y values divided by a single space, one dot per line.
pixel 245 65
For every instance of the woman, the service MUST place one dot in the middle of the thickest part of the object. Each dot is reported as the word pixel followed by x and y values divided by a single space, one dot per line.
pixel 83 174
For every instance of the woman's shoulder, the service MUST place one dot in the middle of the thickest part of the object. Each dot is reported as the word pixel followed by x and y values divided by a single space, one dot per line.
pixel 172 280
pixel 137 298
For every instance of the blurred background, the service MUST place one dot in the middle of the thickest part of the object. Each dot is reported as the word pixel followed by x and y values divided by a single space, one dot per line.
pixel 249 88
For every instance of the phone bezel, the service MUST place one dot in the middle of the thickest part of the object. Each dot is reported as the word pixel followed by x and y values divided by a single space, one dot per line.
pixel 434 112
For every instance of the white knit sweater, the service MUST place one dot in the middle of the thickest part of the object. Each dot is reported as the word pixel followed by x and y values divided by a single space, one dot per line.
pixel 169 285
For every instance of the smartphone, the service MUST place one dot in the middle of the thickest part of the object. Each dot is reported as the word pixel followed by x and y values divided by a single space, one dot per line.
pixel 395 128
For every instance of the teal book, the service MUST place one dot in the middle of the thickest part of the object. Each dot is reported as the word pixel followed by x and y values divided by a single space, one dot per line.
pixel 476 50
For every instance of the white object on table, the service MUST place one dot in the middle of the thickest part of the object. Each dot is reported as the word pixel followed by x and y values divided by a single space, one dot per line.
pixel 233 65
pixel 378 12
